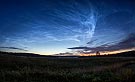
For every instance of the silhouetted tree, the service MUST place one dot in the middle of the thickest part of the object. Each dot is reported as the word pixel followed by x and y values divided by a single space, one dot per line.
pixel 97 53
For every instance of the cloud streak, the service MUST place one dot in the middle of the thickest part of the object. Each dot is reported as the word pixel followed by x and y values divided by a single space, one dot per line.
pixel 14 48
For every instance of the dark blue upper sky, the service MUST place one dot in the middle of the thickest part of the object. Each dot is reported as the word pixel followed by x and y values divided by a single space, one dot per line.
pixel 52 26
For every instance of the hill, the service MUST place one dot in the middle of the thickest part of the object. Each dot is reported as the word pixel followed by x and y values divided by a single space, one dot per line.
pixel 124 54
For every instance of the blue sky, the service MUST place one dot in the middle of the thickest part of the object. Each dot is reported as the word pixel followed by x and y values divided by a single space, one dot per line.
pixel 51 26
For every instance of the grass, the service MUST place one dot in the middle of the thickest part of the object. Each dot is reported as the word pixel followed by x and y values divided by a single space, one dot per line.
pixel 96 69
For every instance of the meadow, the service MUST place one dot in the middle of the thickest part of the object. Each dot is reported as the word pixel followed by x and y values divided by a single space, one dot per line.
pixel 92 69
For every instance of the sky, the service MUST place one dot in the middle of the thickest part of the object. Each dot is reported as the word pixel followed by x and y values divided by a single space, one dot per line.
pixel 57 26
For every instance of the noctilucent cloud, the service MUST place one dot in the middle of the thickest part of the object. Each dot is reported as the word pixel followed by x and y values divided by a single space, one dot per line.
pixel 51 26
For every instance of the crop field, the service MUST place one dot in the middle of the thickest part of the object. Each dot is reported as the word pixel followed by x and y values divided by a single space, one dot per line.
pixel 91 69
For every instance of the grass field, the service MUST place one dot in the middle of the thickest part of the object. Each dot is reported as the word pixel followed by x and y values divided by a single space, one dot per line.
pixel 95 69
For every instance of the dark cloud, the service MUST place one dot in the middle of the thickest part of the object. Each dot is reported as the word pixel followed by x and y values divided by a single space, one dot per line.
pixel 79 48
pixel 126 43
pixel 13 48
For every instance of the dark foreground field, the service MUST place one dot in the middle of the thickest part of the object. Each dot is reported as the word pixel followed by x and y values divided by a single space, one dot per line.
pixel 94 69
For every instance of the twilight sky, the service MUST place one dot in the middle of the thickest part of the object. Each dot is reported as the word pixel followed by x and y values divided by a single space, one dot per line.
pixel 52 26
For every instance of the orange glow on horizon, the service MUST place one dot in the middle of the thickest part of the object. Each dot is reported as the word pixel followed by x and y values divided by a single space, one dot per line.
pixel 107 52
